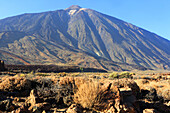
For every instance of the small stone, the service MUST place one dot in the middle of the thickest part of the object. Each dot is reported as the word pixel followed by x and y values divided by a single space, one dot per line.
pixel 150 111
pixel 74 109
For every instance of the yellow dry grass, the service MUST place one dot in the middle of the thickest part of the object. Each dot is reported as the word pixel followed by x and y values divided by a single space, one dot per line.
pixel 87 94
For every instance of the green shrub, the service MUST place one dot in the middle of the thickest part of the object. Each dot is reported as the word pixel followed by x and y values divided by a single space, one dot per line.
pixel 121 75
pixel 62 74
pixel 114 75
pixel 75 74
pixel 125 75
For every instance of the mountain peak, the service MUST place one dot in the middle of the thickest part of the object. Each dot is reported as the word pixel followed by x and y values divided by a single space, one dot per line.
pixel 74 7
pixel 81 36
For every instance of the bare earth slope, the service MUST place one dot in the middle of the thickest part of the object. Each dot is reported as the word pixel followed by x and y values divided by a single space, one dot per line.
pixel 82 37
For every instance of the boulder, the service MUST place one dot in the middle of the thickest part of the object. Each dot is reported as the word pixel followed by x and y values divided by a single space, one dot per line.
pixel 128 100
pixel 130 84
pixel 149 93
pixel 126 91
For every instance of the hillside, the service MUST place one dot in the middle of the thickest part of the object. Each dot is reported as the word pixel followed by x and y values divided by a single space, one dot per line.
pixel 80 36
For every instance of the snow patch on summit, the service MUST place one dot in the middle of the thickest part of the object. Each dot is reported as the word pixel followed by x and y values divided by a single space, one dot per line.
pixel 71 12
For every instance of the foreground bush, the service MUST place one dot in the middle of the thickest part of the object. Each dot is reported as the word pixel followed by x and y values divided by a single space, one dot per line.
pixel 93 95
pixel 87 95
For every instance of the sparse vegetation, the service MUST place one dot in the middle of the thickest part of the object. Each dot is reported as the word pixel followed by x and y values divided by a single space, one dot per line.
pixel 86 92
pixel 12 84
pixel 115 75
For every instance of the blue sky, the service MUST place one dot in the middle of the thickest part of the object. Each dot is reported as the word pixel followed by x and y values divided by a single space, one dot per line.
pixel 152 15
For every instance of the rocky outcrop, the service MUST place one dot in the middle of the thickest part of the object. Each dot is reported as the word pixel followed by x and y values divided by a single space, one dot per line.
pixel 126 102
pixel 150 94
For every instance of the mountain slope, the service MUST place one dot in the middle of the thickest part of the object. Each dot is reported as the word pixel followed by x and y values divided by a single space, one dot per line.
pixel 85 34
pixel 31 50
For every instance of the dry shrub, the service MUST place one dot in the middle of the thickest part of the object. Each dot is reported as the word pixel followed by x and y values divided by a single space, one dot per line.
pixel 54 79
pixel 46 88
pixel 93 95
pixel 76 81
pixel 68 87
pixel 15 84
pixel 87 94
pixel 66 80
pixel 80 80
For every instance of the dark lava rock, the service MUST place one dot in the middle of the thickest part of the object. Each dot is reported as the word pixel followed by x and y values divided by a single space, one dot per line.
pixel 6 105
